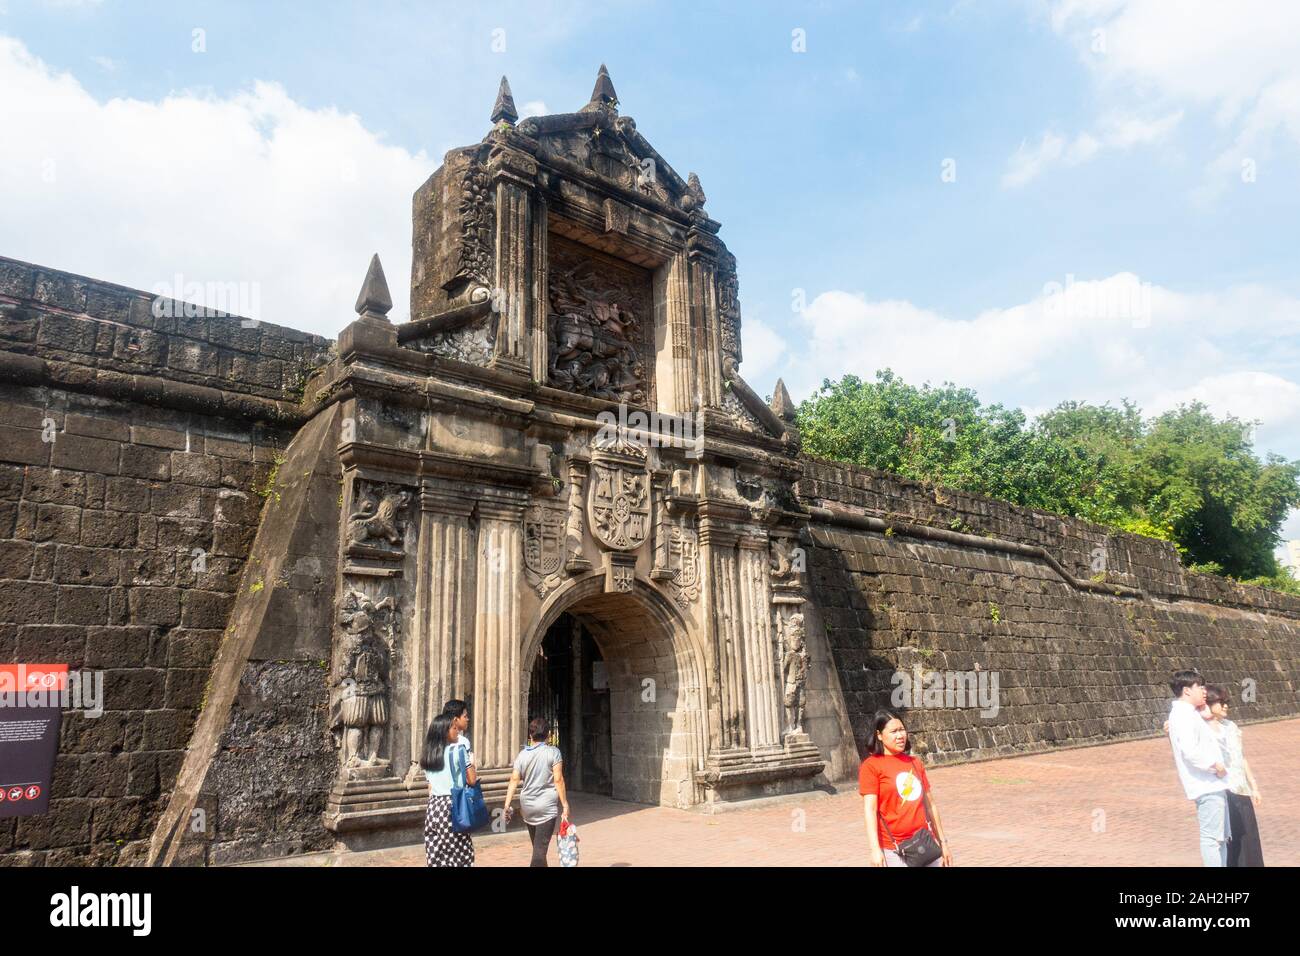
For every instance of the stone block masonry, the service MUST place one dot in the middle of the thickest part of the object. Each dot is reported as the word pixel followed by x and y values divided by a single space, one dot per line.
pixel 132 452
pixel 950 582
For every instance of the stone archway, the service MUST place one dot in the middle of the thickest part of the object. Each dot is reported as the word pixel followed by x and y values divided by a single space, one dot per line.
pixel 658 726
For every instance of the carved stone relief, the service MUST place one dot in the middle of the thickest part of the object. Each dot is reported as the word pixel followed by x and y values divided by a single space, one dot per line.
pixel 601 324
pixel 729 306
pixel 360 712
pixel 619 505
pixel 476 223
pixel 785 563
pixel 377 525
pixel 544 535
pixel 574 562
pixel 741 415
pixel 471 344
pixel 684 562
pixel 794 669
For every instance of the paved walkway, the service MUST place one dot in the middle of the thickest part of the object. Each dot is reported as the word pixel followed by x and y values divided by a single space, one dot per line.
pixel 1117 805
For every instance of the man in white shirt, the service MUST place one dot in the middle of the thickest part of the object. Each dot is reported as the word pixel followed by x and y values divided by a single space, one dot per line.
pixel 1200 765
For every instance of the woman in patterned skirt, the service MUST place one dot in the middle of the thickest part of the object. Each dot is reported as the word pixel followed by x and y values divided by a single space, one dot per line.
pixel 444 744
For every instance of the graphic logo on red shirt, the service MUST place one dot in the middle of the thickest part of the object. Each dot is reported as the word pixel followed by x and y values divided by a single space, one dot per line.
pixel 909 786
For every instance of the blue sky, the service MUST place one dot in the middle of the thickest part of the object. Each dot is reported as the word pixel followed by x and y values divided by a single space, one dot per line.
pixel 1107 143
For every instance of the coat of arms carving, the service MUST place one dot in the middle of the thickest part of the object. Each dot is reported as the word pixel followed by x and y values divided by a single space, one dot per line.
pixel 684 562
pixel 544 528
pixel 619 504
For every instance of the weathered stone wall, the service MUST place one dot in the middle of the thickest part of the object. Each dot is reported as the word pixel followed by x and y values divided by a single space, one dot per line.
pixel 1076 664
pixel 132 451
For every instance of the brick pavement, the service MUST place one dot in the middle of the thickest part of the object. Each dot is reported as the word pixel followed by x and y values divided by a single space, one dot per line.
pixel 1115 805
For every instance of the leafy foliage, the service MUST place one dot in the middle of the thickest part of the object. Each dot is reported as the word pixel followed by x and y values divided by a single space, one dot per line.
pixel 1183 476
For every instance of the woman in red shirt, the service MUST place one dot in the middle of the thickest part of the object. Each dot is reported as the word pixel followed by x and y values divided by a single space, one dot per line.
pixel 896 795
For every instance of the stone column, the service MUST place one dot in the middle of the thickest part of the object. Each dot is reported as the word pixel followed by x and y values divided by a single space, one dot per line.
pixel 659 569
pixel 763 696
pixel 705 346
pixel 443 606
pixel 497 634
pixel 513 176
pixel 541 305
pixel 718 547
pixel 677 309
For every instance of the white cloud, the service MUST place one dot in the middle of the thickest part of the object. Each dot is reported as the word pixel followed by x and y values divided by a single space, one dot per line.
pixel 1114 132
pixel 251 188
pixel 1088 340
pixel 1239 61
pixel 1252 396
pixel 534 108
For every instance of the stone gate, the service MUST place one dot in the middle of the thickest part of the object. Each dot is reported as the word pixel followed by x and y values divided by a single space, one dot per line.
pixel 560 429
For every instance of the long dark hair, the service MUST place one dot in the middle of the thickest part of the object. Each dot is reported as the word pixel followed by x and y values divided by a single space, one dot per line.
pixel 875 747
pixel 435 742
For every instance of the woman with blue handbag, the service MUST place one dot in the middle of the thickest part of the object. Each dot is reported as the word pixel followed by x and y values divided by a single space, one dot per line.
pixel 448 764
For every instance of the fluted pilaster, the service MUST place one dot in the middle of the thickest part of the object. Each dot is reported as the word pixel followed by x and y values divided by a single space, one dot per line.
pixel 497 634
pixel 721 561
pixel 762 690
pixel 514 174
pixel 677 304
pixel 443 607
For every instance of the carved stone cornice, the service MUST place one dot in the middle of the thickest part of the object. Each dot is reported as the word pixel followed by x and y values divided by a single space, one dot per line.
pixel 440 500
pixel 702 247
pixel 512 165
pixel 501 510
pixel 713 535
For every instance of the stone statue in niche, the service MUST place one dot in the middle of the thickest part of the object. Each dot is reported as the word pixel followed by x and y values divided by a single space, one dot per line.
pixel 598 327
pixel 378 519
pixel 361 691
pixel 794 667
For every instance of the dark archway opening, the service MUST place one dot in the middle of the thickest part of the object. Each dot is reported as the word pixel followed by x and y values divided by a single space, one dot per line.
pixel 570 688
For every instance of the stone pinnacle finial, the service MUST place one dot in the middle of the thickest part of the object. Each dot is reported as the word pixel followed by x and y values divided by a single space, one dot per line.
pixel 504 107
pixel 694 198
pixel 374 301
pixel 603 95
pixel 782 406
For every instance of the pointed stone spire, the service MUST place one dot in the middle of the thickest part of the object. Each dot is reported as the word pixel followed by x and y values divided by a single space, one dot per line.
pixel 782 406
pixel 602 95
pixel 693 199
pixel 504 108
pixel 374 302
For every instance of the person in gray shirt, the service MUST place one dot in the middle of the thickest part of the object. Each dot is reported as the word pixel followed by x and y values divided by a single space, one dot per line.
pixel 542 797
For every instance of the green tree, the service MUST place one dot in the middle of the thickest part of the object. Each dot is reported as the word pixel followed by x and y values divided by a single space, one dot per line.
pixel 1184 476
pixel 1226 506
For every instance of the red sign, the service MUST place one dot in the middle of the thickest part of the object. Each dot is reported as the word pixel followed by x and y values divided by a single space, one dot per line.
pixel 33 677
